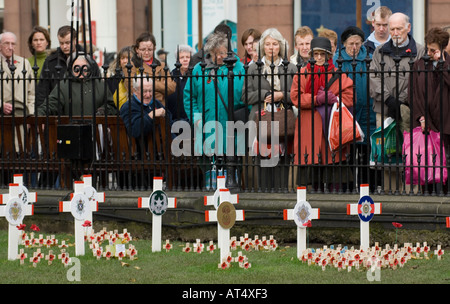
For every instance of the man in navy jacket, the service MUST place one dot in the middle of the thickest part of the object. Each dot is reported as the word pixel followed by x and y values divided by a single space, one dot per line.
pixel 138 112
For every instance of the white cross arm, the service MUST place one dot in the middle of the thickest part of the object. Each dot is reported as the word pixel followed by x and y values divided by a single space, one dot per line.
pixel 32 196
pixel 100 196
pixel 288 214
pixel 210 200
pixel 211 215
pixel 352 209
pixel 144 202
pixel 65 206
pixel 4 198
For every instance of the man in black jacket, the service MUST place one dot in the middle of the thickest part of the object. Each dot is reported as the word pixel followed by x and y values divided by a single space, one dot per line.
pixel 55 66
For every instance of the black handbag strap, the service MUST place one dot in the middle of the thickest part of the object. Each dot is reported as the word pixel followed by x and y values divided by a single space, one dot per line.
pixel 220 94
pixel 331 81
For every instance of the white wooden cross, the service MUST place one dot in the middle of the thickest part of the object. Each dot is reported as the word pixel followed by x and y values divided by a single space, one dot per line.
pixel 158 203
pixel 365 209
pixel 81 207
pixel 301 214
pixel 225 216
pixel 14 209
pixel 213 200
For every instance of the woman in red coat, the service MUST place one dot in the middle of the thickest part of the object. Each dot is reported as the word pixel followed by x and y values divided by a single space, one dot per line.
pixel 310 139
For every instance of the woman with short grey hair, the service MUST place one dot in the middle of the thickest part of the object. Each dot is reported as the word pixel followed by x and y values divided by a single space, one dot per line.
pixel 183 55
pixel 217 47
pixel 206 98
pixel 268 84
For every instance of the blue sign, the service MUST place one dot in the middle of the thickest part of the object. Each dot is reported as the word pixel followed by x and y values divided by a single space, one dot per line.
pixel 366 208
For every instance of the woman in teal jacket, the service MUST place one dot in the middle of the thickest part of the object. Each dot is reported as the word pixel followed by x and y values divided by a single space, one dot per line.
pixel 352 45
pixel 354 56
pixel 206 97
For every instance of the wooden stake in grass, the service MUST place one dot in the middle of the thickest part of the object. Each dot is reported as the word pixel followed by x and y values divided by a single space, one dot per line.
pixel 81 207
pixel 365 209
pixel 301 215
pixel 226 215
pixel 15 209
pixel 158 203
pixel 214 200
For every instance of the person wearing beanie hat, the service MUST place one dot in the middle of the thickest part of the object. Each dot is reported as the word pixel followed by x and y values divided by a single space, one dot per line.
pixel 322 44
pixel 352 38
pixel 352 31
pixel 312 91
pixel 353 56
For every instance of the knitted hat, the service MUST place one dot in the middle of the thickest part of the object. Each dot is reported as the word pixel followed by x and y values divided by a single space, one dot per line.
pixel 350 31
pixel 322 44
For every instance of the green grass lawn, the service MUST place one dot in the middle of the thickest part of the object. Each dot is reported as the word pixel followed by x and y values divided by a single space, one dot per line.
pixel 177 267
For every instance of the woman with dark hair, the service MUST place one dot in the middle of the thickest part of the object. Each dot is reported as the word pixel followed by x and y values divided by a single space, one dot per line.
pixel 428 105
pixel 115 78
pixel 38 44
pixel 144 56
pixel 248 38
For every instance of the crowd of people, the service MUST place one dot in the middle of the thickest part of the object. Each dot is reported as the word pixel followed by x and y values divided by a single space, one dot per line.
pixel 303 82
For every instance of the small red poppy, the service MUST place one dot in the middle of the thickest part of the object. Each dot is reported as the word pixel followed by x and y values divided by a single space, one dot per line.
pixel 87 224
pixel 35 228
pixel 21 227
pixel 397 225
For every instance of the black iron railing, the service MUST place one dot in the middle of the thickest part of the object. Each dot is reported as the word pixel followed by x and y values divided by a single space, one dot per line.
pixel 32 145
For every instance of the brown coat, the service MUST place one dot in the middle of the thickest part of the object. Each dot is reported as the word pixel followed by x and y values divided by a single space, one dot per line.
pixel 320 144
pixel 433 112
pixel 159 80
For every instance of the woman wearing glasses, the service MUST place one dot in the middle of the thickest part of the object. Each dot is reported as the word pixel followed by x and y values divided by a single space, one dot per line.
pixel 310 94
pixel 144 57
pixel 206 97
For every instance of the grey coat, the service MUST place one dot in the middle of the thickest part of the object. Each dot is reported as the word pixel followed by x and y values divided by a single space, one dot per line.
pixel 256 93
pixel 413 51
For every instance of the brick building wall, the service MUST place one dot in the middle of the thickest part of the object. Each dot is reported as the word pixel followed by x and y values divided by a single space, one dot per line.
pixel 438 13
pixel 132 18
pixel 265 14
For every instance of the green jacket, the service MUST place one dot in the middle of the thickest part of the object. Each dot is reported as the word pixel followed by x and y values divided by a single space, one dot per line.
pixel 82 94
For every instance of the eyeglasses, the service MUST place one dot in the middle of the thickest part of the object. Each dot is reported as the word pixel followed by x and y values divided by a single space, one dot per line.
pixel 146 50
pixel 221 54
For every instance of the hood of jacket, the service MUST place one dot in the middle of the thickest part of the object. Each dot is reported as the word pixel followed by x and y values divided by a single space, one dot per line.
pixel 410 50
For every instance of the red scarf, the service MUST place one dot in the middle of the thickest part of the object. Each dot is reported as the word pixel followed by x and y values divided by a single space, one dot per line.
pixel 149 63
pixel 319 79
